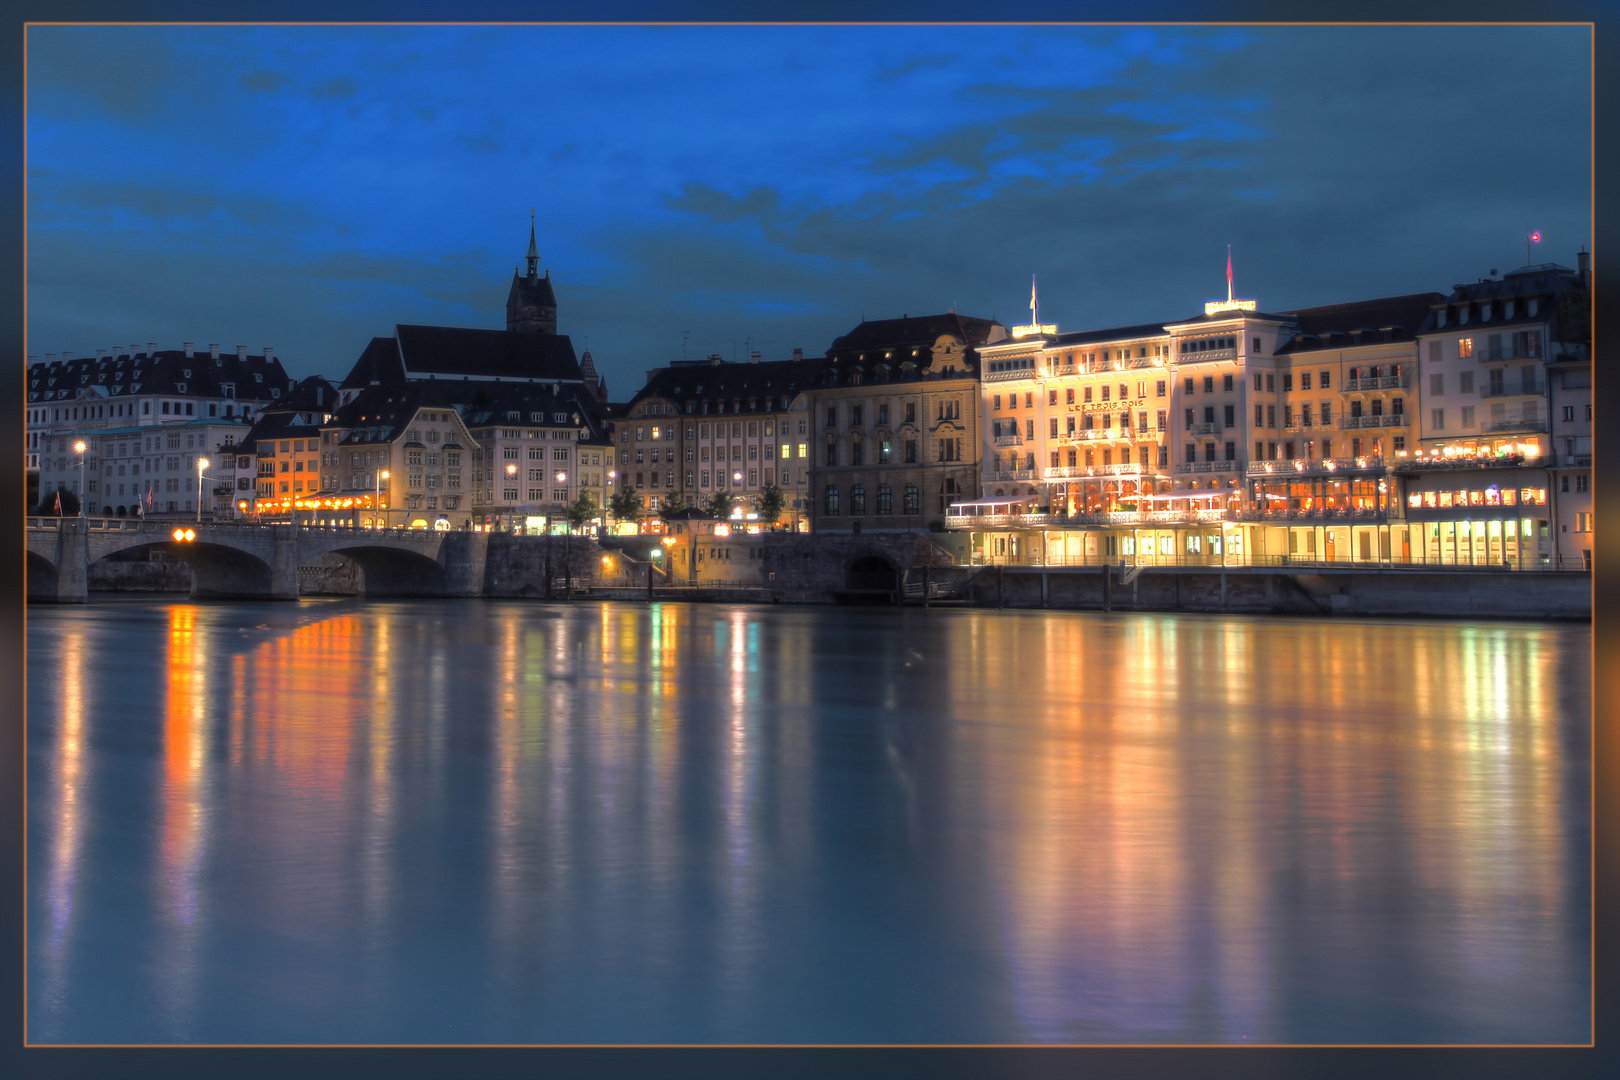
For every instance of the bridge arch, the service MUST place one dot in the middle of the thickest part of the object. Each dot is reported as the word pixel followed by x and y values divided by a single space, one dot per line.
pixel 218 571
pixel 393 571
pixel 42 577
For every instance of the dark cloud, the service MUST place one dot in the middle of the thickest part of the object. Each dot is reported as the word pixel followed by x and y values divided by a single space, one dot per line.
pixel 917 64
pixel 259 82
pixel 340 87
pixel 126 71
pixel 770 208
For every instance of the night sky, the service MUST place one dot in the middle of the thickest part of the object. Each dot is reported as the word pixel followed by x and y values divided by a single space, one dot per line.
pixel 748 187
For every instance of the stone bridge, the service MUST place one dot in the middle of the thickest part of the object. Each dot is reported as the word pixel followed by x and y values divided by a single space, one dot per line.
pixel 234 560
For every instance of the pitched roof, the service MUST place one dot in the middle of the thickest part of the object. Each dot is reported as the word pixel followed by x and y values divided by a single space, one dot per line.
pixel 916 330
pixel 1332 326
pixel 161 372
pixel 378 363
pixel 465 352
pixel 378 413
pixel 762 383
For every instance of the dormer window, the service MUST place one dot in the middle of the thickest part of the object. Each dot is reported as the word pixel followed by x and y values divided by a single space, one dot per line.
pixel 275 393
pixel 179 387
pixel 258 377
pixel 187 373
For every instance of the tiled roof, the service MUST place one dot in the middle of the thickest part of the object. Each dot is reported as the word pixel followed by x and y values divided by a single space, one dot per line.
pixel 463 352
pixel 765 383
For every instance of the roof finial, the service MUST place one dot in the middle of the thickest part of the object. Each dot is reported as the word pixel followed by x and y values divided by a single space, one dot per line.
pixel 534 250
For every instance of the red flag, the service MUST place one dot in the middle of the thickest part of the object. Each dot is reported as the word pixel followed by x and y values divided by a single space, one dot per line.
pixel 58 510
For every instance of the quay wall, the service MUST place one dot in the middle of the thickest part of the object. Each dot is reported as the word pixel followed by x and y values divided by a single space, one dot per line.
pixel 1450 593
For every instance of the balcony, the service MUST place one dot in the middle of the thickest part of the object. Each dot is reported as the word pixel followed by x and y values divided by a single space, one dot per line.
pixel 1322 513
pixel 1535 389
pixel 1063 472
pixel 1486 356
pixel 1206 466
pixel 1383 382
pixel 1435 464
pixel 1009 440
pixel 1204 429
pixel 1527 427
pixel 1366 421
pixel 1010 376
pixel 1012 474
pixel 1314 466
pixel 998 521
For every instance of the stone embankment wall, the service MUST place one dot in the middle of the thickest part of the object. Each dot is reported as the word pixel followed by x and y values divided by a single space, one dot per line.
pixel 1475 594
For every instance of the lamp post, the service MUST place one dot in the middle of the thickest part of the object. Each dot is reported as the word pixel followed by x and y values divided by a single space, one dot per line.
pixel 511 475
pixel 382 474
pixel 202 463
pixel 79 447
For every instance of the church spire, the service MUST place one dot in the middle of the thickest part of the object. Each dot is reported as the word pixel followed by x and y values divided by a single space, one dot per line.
pixel 534 250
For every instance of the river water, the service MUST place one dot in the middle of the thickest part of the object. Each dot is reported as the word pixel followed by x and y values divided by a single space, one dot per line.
pixel 485 822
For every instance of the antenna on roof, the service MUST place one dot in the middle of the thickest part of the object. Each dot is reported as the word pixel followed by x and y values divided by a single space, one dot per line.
pixel 684 335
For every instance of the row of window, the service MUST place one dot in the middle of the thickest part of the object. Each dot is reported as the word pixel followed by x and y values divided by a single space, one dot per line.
pixel 911 501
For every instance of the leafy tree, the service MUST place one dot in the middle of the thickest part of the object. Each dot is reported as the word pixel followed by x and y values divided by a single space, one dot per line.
pixel 33 487
pixel 581 510
pixel 719 505
pixel 769 503
pixel 625 504
pixel 70 503
pixel 675 503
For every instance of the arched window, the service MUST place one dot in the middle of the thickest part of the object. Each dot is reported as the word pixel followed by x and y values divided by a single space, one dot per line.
pixel 857 500
pixel 831 502
pixel 885 500
pixel 913 499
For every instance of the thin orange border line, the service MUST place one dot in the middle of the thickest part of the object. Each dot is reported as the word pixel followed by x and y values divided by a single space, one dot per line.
pixel 1592 646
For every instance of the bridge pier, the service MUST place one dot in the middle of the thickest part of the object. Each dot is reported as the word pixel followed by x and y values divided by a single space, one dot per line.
pixel 72 561
pixel 284 567
pixel 463 556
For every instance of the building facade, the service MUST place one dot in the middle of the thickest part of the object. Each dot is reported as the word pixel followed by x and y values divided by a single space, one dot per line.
pixel 894 423
pixel 1505 378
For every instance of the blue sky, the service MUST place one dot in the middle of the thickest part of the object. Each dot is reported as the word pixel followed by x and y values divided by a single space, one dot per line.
pixel 309 187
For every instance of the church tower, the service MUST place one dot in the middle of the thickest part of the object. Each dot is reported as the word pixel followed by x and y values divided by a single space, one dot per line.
pixel 531 306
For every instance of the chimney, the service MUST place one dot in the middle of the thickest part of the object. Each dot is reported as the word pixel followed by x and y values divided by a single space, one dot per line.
pixel 269 353
pixel 241 352
pixel 1583 265
pixel 101 354
pixel 66 357
pixel 50 358
pixel 714 360
pixel 151 348
pixel 213 350
pixel 190 347
pixel 798 354
pixel 753 357
pixel 33 359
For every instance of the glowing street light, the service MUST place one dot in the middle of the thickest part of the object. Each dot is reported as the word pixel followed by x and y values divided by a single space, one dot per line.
pixel 202 463
pixel 382 474
pixel 79 447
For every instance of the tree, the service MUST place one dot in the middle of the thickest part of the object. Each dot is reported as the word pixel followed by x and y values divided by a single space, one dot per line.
pixel 769 503
pixel 70 503
pixel 33 487
pixel 674 504
pixel 625 504
pixel 719 505
pixel 581 510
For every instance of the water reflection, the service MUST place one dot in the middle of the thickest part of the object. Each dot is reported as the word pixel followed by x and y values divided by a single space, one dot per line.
pixel 526 823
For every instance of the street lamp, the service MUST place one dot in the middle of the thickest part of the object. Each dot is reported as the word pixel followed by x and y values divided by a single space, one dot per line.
pixel 202 463
pixel 79 446
pixel 382 474
pixel 511 475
